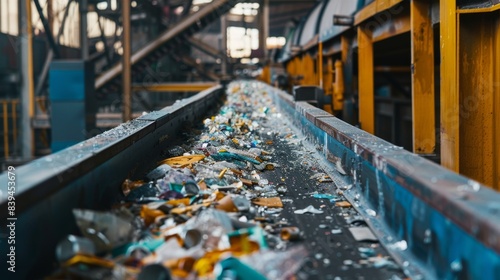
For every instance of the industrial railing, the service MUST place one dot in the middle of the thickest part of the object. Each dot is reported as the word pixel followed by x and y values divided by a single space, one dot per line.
pixel 9 123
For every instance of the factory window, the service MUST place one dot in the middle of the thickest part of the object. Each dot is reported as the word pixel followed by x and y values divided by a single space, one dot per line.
pixel 241 41
pixel 275 42
pixel 9 19
pixel 245 9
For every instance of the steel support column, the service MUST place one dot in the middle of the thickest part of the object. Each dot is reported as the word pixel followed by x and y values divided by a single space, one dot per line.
pixel 366 80
pixel 479 88
pixel 127 75
pixel 422 59
pixel 27 84
pixel 450 120
pixel 84 41
pixel 264 30
pixel 320 64
pixel 223 32
pixel 48 30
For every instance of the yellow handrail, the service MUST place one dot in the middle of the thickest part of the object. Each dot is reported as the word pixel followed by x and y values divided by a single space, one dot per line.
pixel 6 129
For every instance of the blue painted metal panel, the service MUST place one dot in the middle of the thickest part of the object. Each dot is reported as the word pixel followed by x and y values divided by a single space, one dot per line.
pixel 450 223
pixel 73 104
pixel 87 175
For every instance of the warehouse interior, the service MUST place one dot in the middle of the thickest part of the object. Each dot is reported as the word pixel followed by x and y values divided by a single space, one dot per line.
pixel 417 80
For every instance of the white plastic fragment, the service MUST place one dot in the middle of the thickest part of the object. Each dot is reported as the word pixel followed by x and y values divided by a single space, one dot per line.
pixel 308 209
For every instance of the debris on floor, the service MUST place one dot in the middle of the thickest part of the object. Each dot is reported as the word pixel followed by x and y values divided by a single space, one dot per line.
pixel 209 211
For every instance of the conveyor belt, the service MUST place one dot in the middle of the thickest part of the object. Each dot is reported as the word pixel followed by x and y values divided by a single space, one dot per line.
pixel 435 223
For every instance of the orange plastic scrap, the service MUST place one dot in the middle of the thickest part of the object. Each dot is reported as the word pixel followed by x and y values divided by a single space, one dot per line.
pixel 149 215
pixel 177 202
pixel 246 182
pixel 202 184
pixel 268 201
pixel 89 260
pixel 343 204
pixel 129 185
pixel 226 204
pixel 182 161
pixel 180 267
pixel 242 245
pixel 191 208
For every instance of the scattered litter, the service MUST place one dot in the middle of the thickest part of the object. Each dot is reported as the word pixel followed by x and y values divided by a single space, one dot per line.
pixel 343 204
pixel 379 262
pixel 336 231
pixel 268 201
pixel 208 211
pixel 339 167
pixel 308 209
pixel 290 233
pixel 371 212
pixel 362 234
pixel 324 196
pixel 366 252
pixel 400 246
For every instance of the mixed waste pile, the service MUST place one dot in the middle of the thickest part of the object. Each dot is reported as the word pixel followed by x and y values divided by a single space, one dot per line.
pixel 205 212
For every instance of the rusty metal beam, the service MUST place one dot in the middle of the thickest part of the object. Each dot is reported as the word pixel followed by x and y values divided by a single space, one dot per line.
pixel 478 65
pixel 173 87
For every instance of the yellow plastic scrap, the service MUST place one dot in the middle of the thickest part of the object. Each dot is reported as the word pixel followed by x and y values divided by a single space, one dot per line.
pixel 177 202
pixel 221 174
pixel 204 266
pixel 92 260
pixel 268 201
pixel 191 208
pixel 149 215
pixel 182 161
pixel 180 267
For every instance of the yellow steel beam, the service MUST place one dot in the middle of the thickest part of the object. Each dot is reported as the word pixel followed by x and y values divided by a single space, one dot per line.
pixel 496 102
pixel 338 88
pixel 320 64
pixel 366 80
pixel 173 87
pixel 478 66
pixel 14 121
pixel 374 8
pixel 308 70
pixel 5 129
pixel 328 81
pixel 422 59
pixel 489 9
pixel 396 24
pixel 449 86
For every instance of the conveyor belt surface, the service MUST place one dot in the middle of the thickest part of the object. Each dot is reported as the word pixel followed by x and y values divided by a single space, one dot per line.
pixel 435 223
pixel 247 140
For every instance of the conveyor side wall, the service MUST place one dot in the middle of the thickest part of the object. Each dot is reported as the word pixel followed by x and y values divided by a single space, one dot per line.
pixel 87 175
